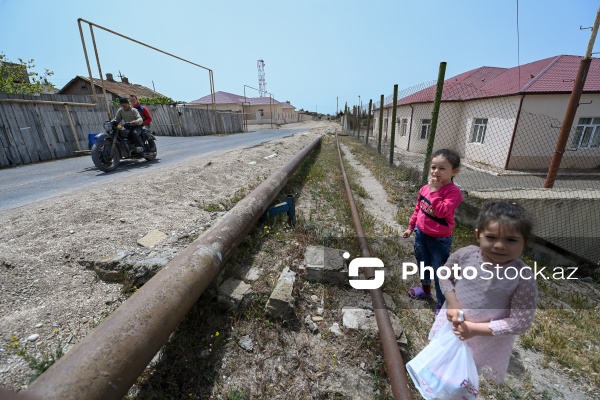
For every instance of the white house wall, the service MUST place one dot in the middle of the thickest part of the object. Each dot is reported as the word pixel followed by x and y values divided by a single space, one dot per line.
pixel 534 140
pixel 538 129
pixel 501 115
pixel 446 132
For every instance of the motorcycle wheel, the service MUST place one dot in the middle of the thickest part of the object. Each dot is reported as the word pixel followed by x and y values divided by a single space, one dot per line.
pixel 151 153
pixel 104 156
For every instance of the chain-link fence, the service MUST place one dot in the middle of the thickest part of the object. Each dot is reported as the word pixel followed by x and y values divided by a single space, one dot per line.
pixel 506 144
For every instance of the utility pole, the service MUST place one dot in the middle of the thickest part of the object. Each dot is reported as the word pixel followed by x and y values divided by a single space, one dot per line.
pixel 565 128
pixel 358 119
pixel 434 120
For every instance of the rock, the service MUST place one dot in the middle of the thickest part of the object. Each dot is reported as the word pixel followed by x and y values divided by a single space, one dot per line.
pixel 152 238
pixel 335 329
pixel 38 325
pixel 246 343
pixel 310 324
pixel 33 337
pixel 253 274
pixel 352 383
pixel 587 279
pixel 204 354
pixel 365 321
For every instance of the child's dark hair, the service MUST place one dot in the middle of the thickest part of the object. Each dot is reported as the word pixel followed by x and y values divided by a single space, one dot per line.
pixel 507 214
pixel 450 155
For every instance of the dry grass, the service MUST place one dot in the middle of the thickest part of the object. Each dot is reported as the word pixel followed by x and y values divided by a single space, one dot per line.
pixel 195 363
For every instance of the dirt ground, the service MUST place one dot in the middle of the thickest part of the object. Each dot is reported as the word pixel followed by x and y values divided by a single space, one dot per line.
pixel 49 294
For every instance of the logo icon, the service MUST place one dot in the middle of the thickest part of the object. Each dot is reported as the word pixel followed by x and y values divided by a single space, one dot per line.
pixel 365 262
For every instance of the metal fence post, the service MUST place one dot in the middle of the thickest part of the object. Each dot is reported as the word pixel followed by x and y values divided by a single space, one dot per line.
pixel 434 119
pixel 393 122
pixel 380 124
pixel 368 121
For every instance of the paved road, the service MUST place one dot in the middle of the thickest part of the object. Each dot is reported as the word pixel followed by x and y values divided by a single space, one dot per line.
pixel 34 182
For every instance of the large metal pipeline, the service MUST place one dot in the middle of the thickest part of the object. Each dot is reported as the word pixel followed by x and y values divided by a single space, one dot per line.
pixel 393 359
pixel 108 361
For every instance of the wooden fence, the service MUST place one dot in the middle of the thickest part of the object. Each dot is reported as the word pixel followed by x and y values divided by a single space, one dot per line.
pixel 34 132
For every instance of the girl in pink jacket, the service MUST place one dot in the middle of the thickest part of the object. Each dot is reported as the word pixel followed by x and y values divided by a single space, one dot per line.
pixel 433 221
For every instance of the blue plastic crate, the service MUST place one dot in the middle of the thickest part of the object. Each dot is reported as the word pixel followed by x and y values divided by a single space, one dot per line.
pixel 92 139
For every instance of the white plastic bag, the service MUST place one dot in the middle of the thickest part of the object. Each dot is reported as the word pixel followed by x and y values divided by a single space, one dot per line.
pixel 445 369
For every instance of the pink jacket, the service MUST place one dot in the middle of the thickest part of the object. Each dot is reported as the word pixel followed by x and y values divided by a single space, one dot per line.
pixel 434 212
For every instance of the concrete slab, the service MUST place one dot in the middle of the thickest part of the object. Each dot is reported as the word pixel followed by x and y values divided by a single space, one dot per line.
pixel 281 301
pixel 231 294
pixel 326 265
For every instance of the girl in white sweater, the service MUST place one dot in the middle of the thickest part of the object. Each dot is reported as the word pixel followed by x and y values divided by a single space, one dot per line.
pixel 496 290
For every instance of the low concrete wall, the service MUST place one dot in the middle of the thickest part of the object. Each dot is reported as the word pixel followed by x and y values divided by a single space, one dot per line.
pixel 566 221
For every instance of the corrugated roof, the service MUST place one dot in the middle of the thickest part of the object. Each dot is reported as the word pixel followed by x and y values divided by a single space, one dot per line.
pixel 550 75
pixel 120 89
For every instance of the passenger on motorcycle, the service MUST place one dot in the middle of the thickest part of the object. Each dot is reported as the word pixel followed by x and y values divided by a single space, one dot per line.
pixel 131 116
pixel 144 112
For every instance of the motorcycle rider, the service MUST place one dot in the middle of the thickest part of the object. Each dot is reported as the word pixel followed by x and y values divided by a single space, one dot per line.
pixel 131 116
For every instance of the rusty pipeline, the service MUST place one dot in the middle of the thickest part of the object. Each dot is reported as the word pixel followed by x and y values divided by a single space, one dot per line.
pixel 393 359
pixel 108 361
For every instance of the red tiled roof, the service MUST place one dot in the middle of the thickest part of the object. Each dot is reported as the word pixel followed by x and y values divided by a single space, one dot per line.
pixel 255 101
pixel 550 75
pixel 231 98
pixel 220 98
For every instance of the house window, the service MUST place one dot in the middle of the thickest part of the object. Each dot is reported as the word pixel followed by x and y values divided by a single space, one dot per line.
pixel 425 128
pixel 83 86
pixel 479 130
pixel 587 134
pixel 403 126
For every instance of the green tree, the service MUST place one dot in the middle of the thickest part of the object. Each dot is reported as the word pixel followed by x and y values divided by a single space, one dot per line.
pixel 19 78
pixel 151 101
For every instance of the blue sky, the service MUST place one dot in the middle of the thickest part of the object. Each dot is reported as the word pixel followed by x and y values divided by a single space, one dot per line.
pixel 314 51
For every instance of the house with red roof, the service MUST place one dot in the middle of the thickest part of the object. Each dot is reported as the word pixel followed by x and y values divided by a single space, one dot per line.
pixel 508 118
pixel 256 109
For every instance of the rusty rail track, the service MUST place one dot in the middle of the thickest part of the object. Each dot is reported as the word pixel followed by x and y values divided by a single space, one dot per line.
pixel 393 359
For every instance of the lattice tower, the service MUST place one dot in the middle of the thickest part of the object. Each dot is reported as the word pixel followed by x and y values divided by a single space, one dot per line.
pixel 262 85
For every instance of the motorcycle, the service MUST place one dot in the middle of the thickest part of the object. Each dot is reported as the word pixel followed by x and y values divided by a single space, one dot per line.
pixel 108 148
